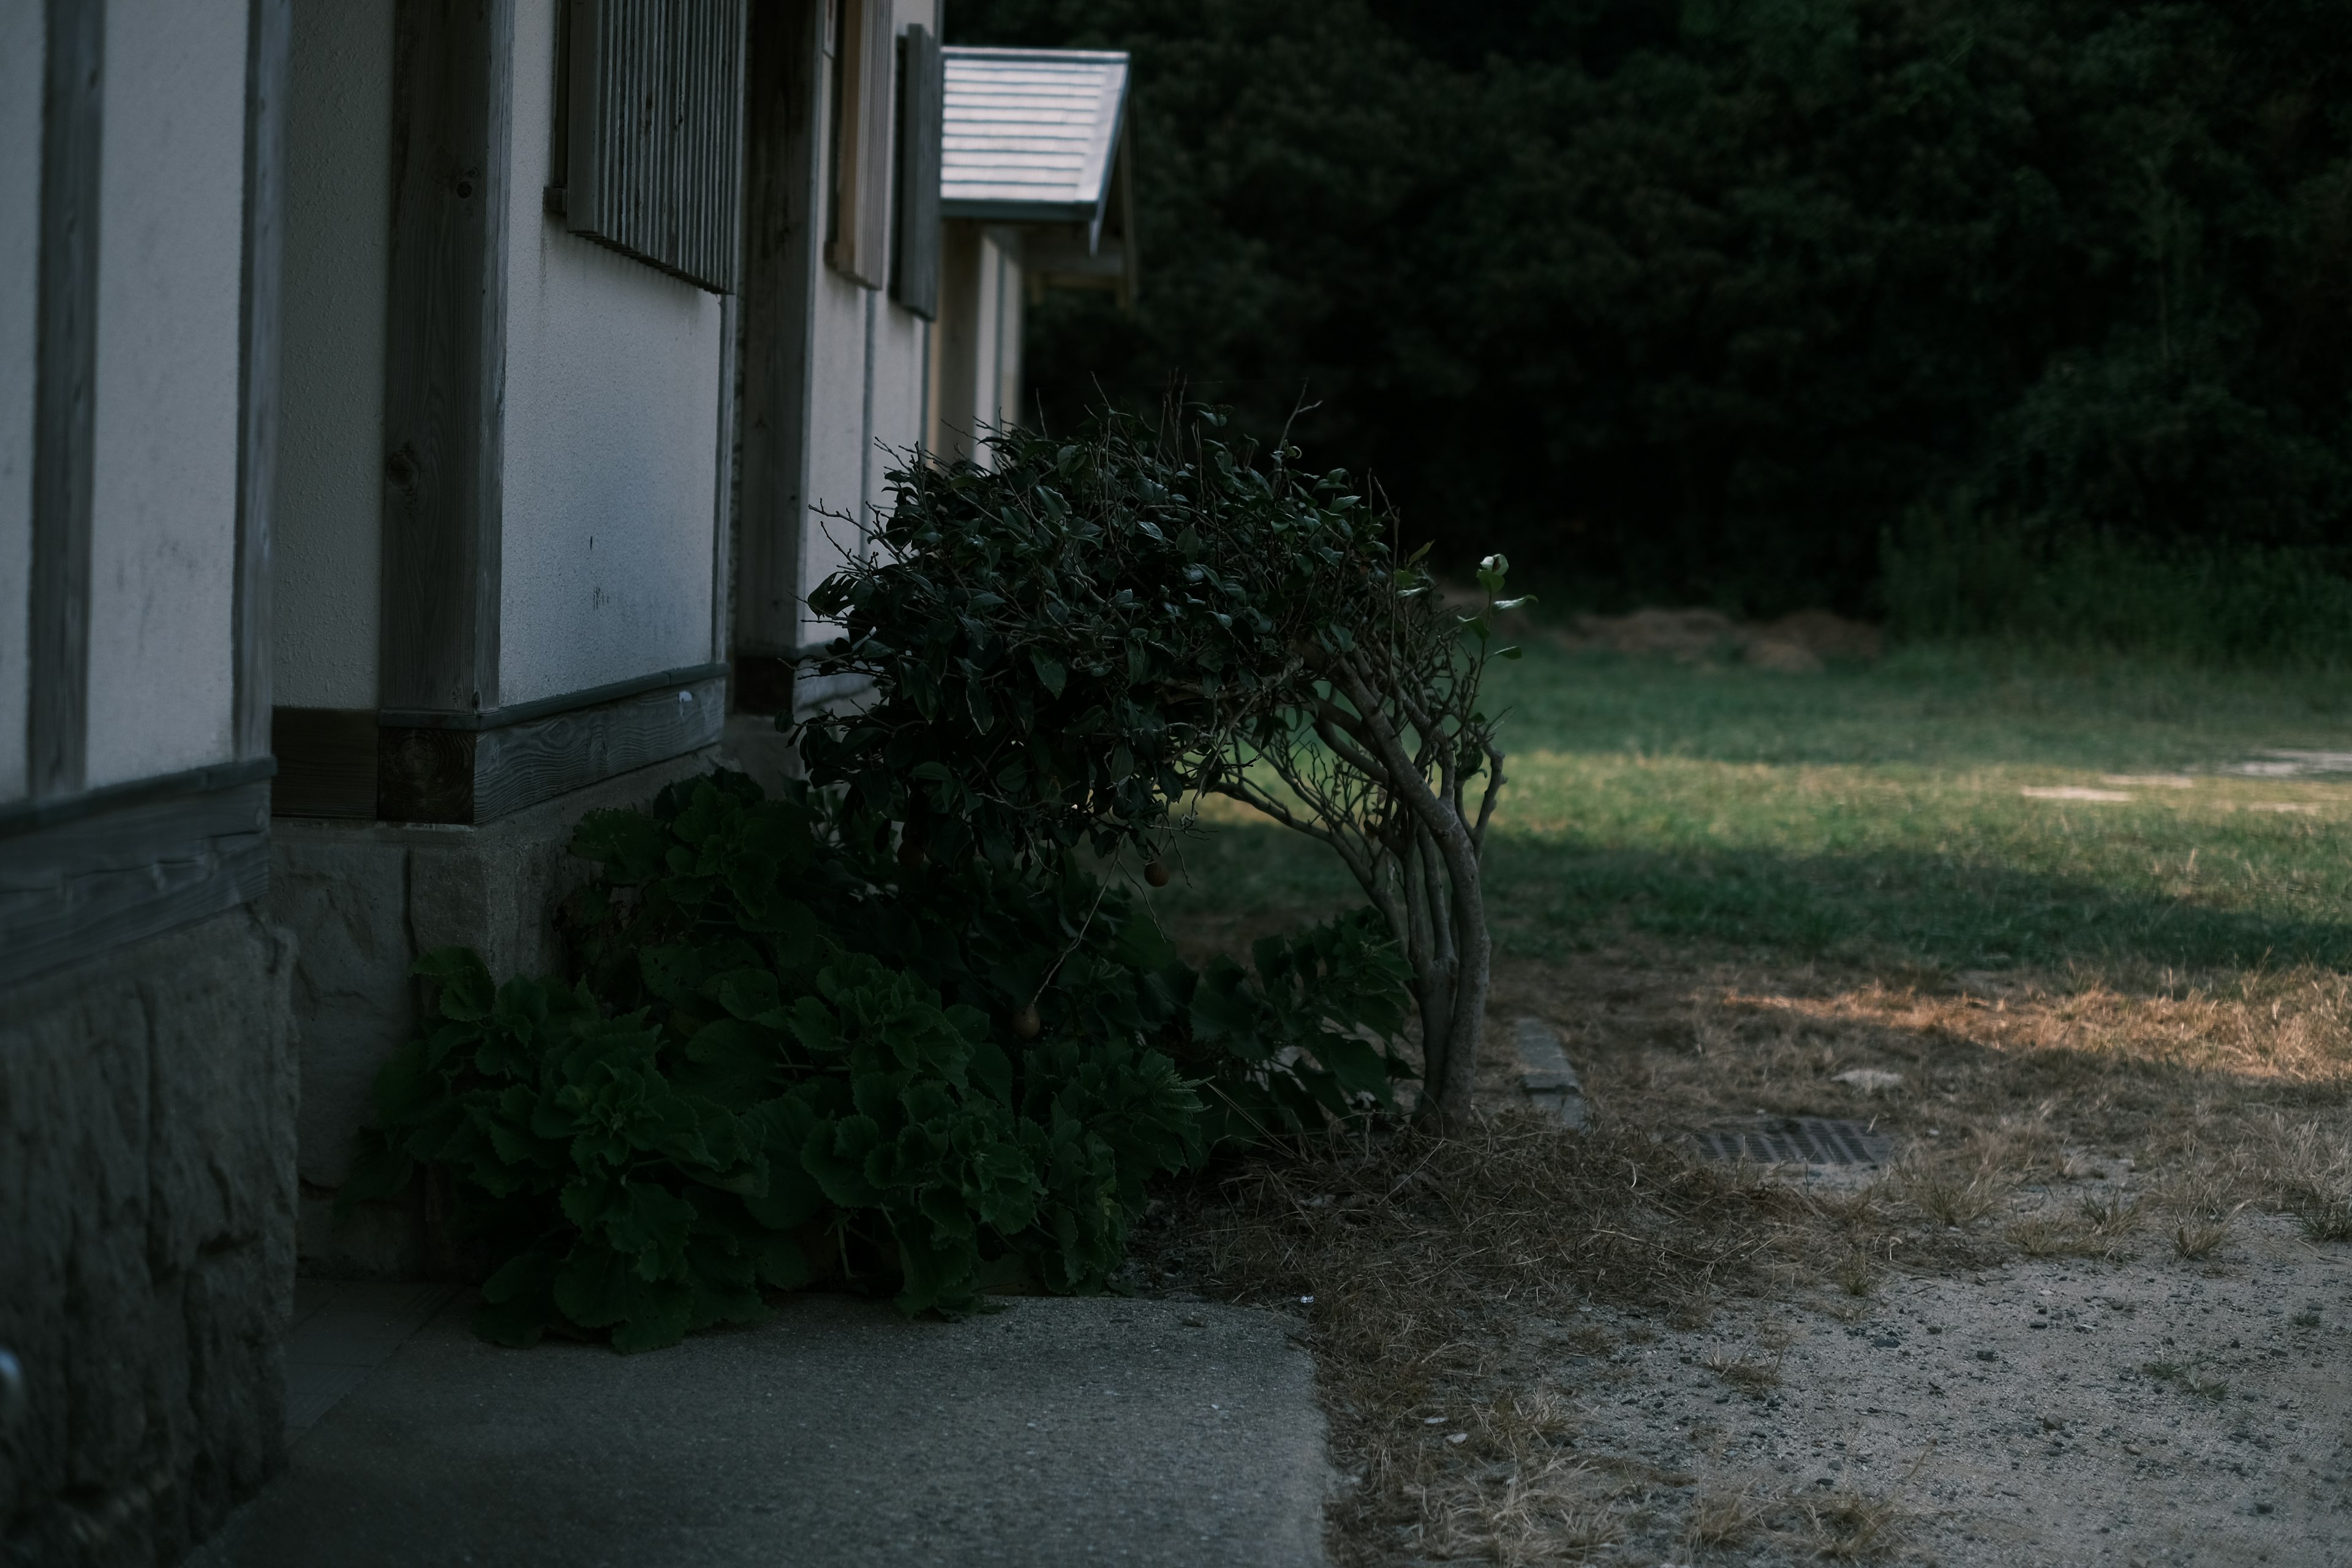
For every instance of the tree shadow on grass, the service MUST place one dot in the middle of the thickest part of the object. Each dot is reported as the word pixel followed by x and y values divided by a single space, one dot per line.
pixel 1553 896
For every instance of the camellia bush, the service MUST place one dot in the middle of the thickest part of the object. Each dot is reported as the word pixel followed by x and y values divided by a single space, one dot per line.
pixel 908 1027
pixel 1069 643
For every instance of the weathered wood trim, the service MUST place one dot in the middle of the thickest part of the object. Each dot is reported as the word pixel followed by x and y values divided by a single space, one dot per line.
pixel 781 230
pixel 326 761
pixel 723 485
pixel 475 775
pixel 548 707
pixel 65 398
pixel 445 364
pixel 269 27
pixel 23 817
pixel 129 863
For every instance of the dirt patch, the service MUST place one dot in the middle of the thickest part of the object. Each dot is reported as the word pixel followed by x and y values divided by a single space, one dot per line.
pixel 2093 1312
pixel 2034 1412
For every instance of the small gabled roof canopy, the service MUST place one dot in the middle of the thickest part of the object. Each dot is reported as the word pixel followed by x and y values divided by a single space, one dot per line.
pixel 1032 135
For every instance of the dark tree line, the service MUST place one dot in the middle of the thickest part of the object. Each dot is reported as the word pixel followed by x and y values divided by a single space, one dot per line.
pixel 1698 300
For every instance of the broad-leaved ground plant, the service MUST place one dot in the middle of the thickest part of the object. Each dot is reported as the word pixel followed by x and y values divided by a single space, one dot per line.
pixel 790 1057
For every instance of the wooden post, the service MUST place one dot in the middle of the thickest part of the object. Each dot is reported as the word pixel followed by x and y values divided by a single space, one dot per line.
pixel 65 398
pixel 781 230
pixel 445 355
pixel 268 42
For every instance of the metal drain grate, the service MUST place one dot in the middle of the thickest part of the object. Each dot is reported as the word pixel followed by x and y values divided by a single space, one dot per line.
pixel 1794 1140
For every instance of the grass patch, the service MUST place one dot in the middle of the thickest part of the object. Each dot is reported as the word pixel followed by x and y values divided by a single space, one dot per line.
pixel 1878 814
pixel 2079 1018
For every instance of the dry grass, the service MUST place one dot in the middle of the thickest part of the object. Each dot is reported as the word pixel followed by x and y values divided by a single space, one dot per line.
pixel 1748 1374
pixel 1848 1525
pixel 1721 1517
pixel 1437 1268
pixel 2007 1081
pixel 2058 1115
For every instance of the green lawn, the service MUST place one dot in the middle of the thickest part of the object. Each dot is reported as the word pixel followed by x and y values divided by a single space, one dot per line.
pixel 1877 814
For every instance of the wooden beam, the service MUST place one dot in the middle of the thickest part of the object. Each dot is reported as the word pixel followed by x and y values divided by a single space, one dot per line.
pixel 326 761
pixel 65 396
pixel 445 363
pixel 781 172
pixel 268 41
pixel 446 773
pixel 115 866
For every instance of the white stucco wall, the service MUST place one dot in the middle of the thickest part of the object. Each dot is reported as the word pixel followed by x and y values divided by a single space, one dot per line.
pixel 326 531
pixel 1008 303
pixel 20 229
pixel 612 436
pixel 163 496
pixel 868 387
pixel 838 475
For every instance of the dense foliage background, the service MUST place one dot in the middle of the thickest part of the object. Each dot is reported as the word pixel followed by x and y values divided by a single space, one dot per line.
pixel 1740 301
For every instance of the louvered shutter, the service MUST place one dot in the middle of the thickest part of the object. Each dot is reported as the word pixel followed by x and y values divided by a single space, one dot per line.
pixel 861 227
pixel 915 260
pixel 655 132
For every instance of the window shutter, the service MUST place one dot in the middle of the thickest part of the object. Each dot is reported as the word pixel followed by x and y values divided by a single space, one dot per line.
pixel 861 228
pixel 915 265
pixel 656 131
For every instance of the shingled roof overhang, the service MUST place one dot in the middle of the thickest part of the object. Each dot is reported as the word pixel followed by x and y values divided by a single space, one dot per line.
pixel 1032 135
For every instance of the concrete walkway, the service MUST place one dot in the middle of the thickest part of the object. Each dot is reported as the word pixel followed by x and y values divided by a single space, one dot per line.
pixel 1055 1432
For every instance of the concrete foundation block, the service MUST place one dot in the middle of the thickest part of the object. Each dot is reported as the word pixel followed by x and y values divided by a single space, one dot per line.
pixel 147 1197
pixel 369 900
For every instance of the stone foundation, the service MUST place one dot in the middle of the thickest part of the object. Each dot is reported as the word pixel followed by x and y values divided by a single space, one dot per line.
pixel 147 1103
pixel 368 900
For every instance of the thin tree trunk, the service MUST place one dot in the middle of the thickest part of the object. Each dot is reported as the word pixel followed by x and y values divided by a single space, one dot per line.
pixel 1446 1101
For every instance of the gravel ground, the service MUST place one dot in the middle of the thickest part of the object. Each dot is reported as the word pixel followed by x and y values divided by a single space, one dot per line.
pixel 2150 1411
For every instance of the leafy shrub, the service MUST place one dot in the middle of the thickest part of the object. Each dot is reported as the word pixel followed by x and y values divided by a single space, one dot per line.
pixel 1965 571
pixel 1065 641
pixel 789 1058
pixel 1069 641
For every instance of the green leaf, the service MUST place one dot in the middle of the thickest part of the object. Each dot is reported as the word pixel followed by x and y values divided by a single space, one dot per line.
pixel 628 844
pixel 1358 1068
pixel 467 994
pixel 1051 674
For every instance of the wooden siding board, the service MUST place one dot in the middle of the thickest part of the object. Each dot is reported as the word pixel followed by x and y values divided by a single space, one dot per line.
pixel 65 399
pixel 523 764
pixel 479 776
pixel 135 866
